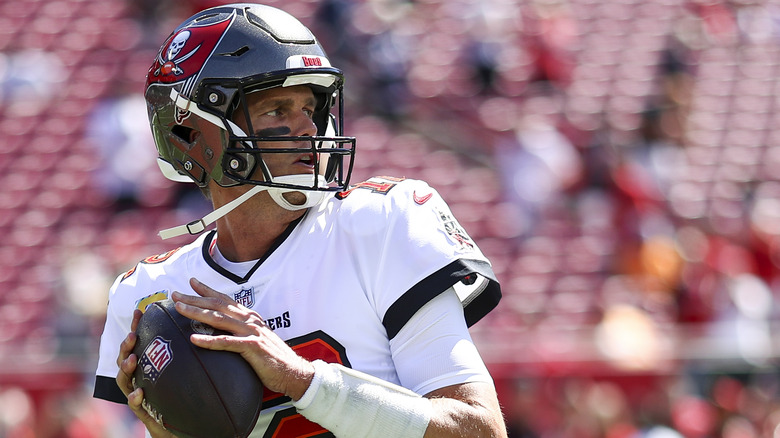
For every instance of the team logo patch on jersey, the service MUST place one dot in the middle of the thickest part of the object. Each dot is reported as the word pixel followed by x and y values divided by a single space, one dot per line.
pixel 454 230
pixel 245 297
pixel 156 357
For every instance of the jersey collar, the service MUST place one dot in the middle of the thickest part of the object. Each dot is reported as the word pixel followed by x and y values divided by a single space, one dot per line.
pixel 211 240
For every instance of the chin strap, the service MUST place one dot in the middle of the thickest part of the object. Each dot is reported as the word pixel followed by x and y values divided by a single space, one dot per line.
pixel 313 198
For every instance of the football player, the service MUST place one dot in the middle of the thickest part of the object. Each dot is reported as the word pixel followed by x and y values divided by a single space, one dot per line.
pixel 352 302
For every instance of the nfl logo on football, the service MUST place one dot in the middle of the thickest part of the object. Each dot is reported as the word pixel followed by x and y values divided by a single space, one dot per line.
pixel 156 357
pixel 246 297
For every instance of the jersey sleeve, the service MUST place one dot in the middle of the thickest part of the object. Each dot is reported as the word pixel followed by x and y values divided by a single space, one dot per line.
pixel 413 248
pixel 135 289
pixel 438 337
pixel 116 328
pixel 146 283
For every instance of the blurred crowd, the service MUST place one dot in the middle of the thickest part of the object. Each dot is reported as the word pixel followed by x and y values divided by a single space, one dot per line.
pixel 617 160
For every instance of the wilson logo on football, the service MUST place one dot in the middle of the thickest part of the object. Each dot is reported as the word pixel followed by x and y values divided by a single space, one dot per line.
pixel 156 357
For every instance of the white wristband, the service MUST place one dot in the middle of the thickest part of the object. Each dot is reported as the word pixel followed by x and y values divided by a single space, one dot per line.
pixel 353 404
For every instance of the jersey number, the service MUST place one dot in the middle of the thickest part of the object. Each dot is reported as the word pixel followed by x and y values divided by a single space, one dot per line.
pixel 288 423
pixel 379 184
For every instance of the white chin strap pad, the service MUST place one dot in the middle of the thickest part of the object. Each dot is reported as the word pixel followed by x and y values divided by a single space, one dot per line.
pixel 313 197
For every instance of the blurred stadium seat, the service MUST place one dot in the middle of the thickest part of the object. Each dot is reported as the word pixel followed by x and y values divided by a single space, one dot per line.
pixel 703 74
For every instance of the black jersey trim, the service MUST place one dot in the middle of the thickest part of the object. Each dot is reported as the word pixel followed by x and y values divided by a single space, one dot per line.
pixel 475 307
pixel 233 277
pixel 107 389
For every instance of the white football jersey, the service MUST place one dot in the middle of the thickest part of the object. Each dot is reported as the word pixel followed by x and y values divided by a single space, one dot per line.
pixel 341 285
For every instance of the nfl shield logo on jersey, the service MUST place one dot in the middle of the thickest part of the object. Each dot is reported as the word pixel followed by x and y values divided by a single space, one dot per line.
pixel 246 297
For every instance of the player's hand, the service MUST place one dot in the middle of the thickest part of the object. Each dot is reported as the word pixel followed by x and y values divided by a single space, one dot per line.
pixel 278 366
pixel 127 362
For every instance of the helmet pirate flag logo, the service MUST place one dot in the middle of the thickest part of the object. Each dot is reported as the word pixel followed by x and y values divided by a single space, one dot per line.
pixel 186 51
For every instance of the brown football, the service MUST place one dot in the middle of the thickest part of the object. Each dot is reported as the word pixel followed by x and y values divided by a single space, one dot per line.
pixel 193 392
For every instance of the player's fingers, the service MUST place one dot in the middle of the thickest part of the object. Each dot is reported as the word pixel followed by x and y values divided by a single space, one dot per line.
pixel 209 299
pixel 210 303
pixel 213 300
pixel 135 399
pixel 271 358
pixel 137 314
pixel 206 291
pixel 226 343
pixel 124 377
pixel 253 349
pixel 135 402
pixel 126 347
pixel 240 322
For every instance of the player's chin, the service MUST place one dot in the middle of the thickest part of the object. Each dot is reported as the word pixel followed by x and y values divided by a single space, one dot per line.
pixel 303 168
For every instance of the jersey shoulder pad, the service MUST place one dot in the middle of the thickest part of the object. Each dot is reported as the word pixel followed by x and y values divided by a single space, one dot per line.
pixel 152 279
pixel 387 189
pixel 160 262
pixel 151 260
pixel 374 205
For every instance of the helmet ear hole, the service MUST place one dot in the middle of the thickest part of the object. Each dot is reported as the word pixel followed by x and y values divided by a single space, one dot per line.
pixel 239 165
pixel 185 134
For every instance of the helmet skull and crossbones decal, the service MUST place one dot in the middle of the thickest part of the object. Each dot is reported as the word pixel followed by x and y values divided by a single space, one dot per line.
pixel 170 65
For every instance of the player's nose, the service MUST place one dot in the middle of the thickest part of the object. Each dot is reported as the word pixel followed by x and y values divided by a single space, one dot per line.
pixel 303 125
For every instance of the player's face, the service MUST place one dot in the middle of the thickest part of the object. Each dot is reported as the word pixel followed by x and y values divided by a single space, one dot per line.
pixel 282 112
